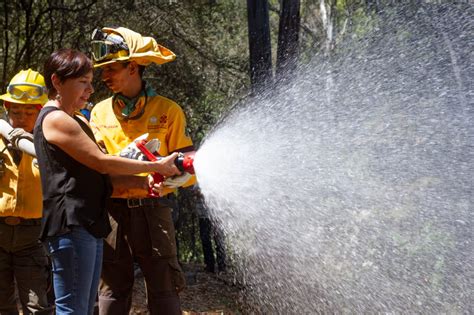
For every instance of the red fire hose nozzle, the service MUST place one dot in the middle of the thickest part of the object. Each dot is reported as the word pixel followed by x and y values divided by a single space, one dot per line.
pixel 185 163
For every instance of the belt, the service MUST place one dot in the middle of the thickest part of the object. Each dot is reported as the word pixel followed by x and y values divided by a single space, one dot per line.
pixel 146 202
pixel 19 221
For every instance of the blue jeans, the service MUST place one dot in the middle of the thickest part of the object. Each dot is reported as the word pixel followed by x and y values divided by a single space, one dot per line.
pixel 77 262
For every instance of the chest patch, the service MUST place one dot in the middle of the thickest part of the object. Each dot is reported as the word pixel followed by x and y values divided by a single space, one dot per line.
pixel 155 123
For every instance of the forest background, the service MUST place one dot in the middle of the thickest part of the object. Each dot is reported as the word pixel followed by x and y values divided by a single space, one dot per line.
pixel 214 69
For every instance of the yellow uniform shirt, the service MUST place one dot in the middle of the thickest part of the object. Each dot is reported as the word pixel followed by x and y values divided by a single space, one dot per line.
pixel 21 194
pixel 162 119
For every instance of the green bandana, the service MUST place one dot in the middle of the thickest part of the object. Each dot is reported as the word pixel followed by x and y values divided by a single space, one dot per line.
pixel 129 103
pixel 130 107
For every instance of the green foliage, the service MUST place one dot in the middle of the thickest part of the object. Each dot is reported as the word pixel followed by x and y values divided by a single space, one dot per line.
pixel 209 38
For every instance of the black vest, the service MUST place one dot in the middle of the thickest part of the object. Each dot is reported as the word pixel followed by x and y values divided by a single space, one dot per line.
pixel 73 194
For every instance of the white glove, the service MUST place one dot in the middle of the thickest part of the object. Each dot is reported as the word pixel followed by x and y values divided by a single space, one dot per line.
pixel 177 181
pixel 16 134
pixel 132 152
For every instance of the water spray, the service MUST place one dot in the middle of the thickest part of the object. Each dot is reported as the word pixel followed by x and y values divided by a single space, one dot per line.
pixel 350 191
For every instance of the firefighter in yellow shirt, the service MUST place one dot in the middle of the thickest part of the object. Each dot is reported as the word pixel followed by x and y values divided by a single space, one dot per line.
pixel 22 257
pixel 143 229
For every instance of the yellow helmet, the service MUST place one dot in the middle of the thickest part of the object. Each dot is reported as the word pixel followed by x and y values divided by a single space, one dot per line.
pixel 26 87
pixel 121 44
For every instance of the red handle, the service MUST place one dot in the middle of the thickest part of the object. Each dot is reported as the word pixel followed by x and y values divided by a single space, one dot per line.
pixel 157 177
pixel 141 146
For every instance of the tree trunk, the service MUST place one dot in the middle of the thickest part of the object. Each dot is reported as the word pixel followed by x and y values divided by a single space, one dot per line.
pixel 287 53
pixel 328 25
pixel 27 7
pixel 259 44
pixel 6 46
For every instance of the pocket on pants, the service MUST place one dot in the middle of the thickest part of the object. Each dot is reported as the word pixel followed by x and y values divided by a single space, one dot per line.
pixel 112 242
pixel 60 248
pixel 161 231
pixel 177 275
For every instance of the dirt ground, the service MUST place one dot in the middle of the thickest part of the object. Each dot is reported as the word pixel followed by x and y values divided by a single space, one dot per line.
pixel 206 294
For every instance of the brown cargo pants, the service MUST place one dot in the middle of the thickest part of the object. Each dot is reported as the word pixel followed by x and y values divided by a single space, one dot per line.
pixel 144 234
pixel 23 258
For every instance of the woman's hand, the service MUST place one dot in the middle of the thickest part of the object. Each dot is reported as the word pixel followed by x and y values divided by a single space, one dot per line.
pixel 166 166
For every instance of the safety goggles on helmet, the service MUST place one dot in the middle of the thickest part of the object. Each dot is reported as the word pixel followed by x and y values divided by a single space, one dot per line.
pixel 30 90
pixel 105 45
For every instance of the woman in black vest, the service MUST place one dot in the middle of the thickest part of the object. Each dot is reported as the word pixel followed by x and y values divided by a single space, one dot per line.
pixel 77 179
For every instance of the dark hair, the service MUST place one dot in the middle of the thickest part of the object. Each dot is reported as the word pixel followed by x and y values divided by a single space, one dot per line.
pixel 66 63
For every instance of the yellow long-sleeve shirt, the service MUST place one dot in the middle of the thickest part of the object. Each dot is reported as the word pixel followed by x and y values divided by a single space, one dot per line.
pixel 20 187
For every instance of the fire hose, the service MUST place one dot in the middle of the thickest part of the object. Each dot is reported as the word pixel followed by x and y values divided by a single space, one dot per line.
pixel 23 144
pixel 184 162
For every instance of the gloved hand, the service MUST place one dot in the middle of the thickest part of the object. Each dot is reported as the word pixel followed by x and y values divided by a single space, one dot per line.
pixel 132 152
pixel 177 181
pixel 16 134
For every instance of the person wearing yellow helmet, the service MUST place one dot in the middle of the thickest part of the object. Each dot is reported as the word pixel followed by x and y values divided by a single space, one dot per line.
pixel 26 94
pixel 143 230
pixel 26 87
pixel 22 257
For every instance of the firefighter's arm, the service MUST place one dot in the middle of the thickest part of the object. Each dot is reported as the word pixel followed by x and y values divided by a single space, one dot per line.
pixel 63 131
pixel 179 141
